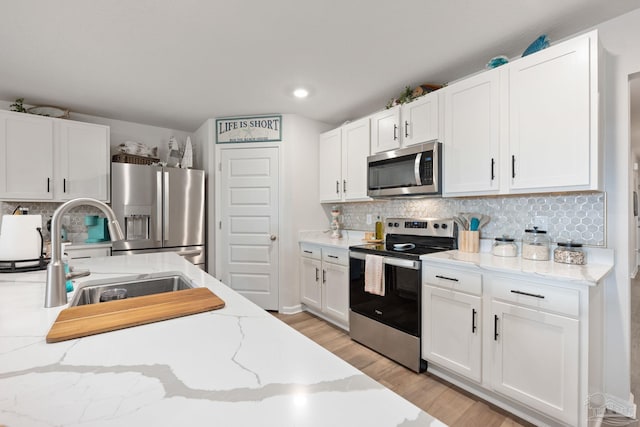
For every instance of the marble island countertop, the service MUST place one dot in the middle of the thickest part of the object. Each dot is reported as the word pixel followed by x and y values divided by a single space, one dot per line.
pixel 590 274
pixel 237 366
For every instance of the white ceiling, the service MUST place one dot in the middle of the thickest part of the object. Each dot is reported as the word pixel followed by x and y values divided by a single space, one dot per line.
pixel 176 63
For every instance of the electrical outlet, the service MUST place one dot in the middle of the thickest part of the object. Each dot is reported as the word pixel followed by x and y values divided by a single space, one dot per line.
pixel 368 218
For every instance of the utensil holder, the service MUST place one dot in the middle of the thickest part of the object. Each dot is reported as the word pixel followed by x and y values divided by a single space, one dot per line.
pixel 469 241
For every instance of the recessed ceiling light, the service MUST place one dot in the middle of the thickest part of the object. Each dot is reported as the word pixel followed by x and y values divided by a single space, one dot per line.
pixel 300 93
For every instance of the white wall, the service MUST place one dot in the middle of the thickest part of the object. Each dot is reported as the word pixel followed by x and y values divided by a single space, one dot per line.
pixel 204 141
pixel 621 38
pixel 303 210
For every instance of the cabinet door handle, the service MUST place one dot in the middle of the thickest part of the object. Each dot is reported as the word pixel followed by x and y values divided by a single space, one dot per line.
pixel 513 166
pixel 344 185
pixel 493 165
pixel 495 327
pixel 324 276
pixel 48 185
pixel 64 185
pixel 446 278
pixel 317 274
pixel 395 132
pixel 527 294
pixel 473 320
pixel 337 187
pixel 406 129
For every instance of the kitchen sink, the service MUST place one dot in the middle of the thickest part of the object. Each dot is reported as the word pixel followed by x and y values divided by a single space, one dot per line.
pixel 97 291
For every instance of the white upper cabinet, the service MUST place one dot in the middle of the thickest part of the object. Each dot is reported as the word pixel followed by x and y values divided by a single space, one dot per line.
pixel 47 159
pixel 343 162
pixel 84 161
pixel 471 145
pixel 26 154
pixel 420 120
pixel 530 126
pixel 385 130
pixel 330 158
pixel 553 106
pixel 355 149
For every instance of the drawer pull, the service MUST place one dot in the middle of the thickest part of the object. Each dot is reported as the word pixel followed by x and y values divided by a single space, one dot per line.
pixel 473 320
pixel 446 278
pixel 307 252
pixel 527 294
pixel 495 327
pixel 332 256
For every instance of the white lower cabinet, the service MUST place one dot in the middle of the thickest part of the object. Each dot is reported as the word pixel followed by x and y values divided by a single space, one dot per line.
pixel 521 343
pixel 536 359
pixel 324 282
pixel 451 322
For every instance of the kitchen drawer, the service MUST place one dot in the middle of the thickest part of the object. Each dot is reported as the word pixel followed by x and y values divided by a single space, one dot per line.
pixel 87 252
pixel 536 295
pixel 335 256
pixel 452 278
pixel 310 251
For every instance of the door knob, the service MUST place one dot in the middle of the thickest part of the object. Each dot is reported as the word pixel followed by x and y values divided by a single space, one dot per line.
pixel 273 237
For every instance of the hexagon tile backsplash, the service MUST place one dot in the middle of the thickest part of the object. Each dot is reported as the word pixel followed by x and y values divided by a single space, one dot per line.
pixel 579 217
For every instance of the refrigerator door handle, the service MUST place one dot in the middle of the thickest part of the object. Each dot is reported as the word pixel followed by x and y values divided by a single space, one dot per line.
pixel 159 212
pixel 166 205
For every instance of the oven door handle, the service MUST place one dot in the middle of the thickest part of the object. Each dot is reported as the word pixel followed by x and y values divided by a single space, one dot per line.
pixel 396 262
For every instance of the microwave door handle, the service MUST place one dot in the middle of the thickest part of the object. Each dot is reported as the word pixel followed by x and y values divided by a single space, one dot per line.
pixel 416 169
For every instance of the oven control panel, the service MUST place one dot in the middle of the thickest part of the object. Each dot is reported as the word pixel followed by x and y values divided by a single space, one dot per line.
pixel 441 227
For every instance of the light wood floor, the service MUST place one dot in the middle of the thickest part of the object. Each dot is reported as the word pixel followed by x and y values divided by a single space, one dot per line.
pixel 442 400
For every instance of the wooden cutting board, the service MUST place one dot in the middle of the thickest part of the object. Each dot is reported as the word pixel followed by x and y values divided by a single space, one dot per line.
pixel 76 322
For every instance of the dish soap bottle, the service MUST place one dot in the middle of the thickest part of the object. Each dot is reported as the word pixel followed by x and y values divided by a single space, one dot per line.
pixel 379 229
pixel 65 262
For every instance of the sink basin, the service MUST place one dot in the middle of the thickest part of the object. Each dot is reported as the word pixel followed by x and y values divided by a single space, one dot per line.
pixel 97 291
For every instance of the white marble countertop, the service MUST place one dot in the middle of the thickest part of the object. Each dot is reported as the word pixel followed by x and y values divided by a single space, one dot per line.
pixel 323 238
pixel 238 366
pixel 589 274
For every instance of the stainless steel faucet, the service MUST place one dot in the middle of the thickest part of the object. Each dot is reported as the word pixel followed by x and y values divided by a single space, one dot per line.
pixel 56 292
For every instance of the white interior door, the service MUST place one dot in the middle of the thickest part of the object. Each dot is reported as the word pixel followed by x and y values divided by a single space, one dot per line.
pixel 248 226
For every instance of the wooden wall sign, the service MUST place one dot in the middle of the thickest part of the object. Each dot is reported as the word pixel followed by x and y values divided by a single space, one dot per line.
pixel 249 129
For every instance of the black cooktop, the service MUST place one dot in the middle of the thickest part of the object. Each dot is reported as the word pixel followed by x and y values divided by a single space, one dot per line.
pixel 409 238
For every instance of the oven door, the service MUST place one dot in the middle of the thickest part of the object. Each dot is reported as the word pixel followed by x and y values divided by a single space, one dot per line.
pixel 399 308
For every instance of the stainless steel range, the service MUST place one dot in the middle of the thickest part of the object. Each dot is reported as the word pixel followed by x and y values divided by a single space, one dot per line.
pixel 390 323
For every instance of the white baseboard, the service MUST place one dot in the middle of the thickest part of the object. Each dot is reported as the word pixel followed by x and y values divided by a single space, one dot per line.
pixel 626 408
pixel 291 309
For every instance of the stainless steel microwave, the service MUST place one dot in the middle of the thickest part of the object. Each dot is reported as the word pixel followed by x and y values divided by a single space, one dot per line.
pixel 409 172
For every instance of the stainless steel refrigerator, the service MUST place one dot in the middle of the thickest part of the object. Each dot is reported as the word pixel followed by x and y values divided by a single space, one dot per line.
pixel 159 209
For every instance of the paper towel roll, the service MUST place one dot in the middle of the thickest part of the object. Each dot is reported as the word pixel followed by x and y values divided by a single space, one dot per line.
pixel 19 237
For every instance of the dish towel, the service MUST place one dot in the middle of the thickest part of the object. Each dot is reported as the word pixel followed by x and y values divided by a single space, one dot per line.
pixel 374 274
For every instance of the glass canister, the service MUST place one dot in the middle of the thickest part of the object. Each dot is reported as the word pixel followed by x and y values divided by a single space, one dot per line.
pixel 535 244
pixel 504 246
pixel 569 253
